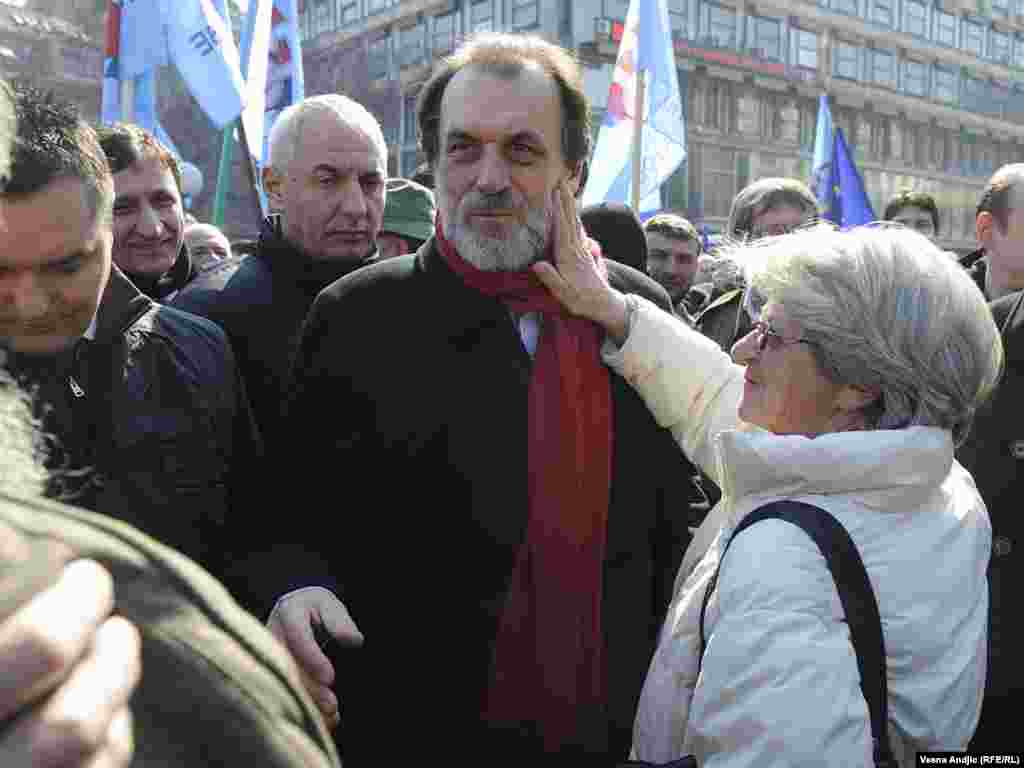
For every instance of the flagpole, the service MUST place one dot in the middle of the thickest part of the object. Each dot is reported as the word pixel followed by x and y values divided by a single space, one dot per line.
pixel 128 100
pixel 638 133
pixel 227 153
pixel 250 166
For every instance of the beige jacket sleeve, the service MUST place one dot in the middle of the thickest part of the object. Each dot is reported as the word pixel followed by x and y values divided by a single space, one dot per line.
pixel 689 384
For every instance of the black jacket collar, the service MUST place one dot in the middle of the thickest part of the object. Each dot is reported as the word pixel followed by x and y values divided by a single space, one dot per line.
pixel 165 286
pixel 294 266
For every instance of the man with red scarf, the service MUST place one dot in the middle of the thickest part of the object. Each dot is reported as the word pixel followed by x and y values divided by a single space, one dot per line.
pixel 496 511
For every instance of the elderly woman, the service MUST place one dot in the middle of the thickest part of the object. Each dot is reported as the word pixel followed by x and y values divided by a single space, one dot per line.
pixel 862 373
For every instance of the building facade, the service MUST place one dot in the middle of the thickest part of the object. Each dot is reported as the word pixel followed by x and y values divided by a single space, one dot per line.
pixel 929 93
pixel 56 44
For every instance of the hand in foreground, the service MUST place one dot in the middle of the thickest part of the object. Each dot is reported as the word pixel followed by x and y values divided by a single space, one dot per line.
pixel 67 672
pixel 292 622
pixel 575 278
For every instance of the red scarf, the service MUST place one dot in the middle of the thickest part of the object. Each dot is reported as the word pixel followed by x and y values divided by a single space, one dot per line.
pixel 548 663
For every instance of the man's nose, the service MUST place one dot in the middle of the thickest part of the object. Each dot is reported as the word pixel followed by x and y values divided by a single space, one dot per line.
pixel 494 175
pixel 352 200
pixel 149 224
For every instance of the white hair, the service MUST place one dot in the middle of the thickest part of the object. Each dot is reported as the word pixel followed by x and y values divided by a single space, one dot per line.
pixel 287 129
pixel 886 311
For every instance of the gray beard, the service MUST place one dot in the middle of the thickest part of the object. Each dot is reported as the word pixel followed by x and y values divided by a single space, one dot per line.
pixel 524 247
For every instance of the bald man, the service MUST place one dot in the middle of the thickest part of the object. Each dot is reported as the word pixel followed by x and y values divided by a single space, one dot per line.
pixel 207 245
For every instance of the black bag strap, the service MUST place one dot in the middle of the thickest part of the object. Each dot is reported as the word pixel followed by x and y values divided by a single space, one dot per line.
pixel 855 594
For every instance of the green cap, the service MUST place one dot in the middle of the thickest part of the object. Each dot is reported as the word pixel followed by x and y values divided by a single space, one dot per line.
pixel 409 209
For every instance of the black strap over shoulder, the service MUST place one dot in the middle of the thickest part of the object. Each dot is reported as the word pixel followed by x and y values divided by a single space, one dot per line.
pixel 855 594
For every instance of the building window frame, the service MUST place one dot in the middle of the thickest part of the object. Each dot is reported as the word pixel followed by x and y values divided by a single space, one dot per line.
pixel 999 45
pixel 883 67
pixel 718 25
pixel 412 45
pixel 914 72
pixel 678 16
pixel 944 27
pixel 846 59
pixel 378 53
pixel 849 7
pixel 443 41
pixel 882 12
pixel 805 48
pixel 945 84
pixel 525 14
pixel 914 19
pixel 481 16
pixel 765 34
pixel 348 13
pixel 972 36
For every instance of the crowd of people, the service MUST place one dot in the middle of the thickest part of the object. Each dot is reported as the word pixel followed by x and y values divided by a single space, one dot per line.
pixel 446 467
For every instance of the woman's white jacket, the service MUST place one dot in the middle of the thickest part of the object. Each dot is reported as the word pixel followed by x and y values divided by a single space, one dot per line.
pixel 779 683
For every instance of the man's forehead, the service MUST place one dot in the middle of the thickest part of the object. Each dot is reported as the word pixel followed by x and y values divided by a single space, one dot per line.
pixel 144 177
pixel 479 102
pixel 326 139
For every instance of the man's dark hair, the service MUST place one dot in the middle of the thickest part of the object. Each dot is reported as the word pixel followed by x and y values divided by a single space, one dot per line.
pixel 674 226
pixel 53 142
pixel 126 144
pixel 908 198
pixel 765 195
pixel 507 56
pixel 996 197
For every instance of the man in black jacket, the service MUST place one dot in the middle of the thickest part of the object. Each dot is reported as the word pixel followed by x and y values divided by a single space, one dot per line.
pixel 997 266
pixel 325 180
pixel 149 217
pixel 148 414
pixel 509 518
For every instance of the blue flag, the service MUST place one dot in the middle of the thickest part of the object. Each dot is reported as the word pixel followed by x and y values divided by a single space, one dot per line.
pixel 203 49
pixel 821 164
pixel 646 45
pixel 849 205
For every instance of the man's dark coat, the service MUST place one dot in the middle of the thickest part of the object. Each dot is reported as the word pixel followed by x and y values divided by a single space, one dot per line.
pixel 408 433
pixel 994 455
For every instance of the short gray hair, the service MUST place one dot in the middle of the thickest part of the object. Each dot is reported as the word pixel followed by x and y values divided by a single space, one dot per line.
pixel 886 311
pixel 287 130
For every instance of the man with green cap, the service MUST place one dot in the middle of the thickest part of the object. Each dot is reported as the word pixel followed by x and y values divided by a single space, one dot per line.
pixel 408 218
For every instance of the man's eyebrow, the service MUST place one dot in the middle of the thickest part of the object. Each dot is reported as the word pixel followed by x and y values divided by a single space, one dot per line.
pixel 80 253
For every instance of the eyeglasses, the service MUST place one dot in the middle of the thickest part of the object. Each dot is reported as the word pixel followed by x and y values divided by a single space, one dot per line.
pixel 769 338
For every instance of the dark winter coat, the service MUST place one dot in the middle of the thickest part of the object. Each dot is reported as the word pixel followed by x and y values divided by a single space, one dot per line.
pixel 994 455
pixel 150 421
pixel 408 431
pixel 260 301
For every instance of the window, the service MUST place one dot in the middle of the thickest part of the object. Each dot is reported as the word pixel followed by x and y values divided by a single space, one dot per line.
pixel 524 14
pixel 944 84
pixel 322 17
pixel 412 45
pixel 877 137
pixel 379 57
pixel 718 181
pixel 972 37
pixel 481 16
pixel 915 78
pixel 915 18
pixel 376 6
pixel 845 6
pixel 805 52
pixel 713 101
pixel 720 25
pixel 677 18
pixel 765 37
pixel 1018 51
pixel 883 68
pixel 846 60
pixel 445 29
pixel 943 27
pixel 1000 8
pixel 976 96
pixel 999 46
pixel 881 12
pixel 348 12
pixel 410 161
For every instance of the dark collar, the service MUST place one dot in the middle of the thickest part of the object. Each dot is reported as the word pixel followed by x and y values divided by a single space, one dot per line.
pixel 121 305
pixel 176 278
pixel 293 265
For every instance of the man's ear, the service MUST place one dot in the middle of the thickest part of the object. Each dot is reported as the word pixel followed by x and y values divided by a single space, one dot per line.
pixel 273 186
pixel 983 225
